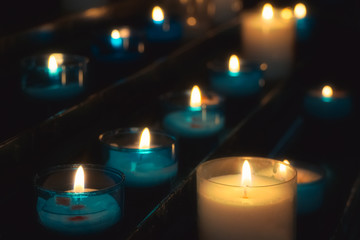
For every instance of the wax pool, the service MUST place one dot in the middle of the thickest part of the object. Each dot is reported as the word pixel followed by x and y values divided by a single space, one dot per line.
pixel 66 212
pixel 150 167
pixel 227 210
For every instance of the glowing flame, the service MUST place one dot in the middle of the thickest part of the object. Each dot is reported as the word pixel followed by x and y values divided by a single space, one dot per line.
pixel 79 180
pixel 300 11
pixel 267 12
pixel 195 98
pixel 283 166
pixel 286 13
pixel 115 34
pixel 157 14
pixel 145 139
pixel 234 64
pixel 52 63
pixel 327 91
pixel 246 174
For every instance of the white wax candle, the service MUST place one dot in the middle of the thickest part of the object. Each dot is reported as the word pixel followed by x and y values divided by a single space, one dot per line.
pixel 265 211
pixel 270 41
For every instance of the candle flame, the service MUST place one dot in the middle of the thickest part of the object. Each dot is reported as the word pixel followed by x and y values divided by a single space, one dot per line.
pixel 52 63
pixel 300 11
pixel 267 12
pixel 327 91
pixel 246 174
pixel 286 13
pixel 157 14
pixel 283 166
pixel 79 180
pixel 115 34
pixel 195 98
pixel 234 64
pixel 145 139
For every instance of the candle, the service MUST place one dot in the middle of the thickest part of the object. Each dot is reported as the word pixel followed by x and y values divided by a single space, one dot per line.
pixel 197 121
pixel 326 103
pixel 145 162
pixel 311 183
pixel 87 207
pixel 303 22
pixel 268 37
pixel 161 28
pixel 119 44
pixel 246 198
pixel 54 77
pixel 238 78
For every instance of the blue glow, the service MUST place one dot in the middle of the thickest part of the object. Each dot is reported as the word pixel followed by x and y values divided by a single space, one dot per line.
pixel 234 74
pixel 54 72
pixel 158 22
pixel 116 42
pixel 326 99
pixel 195 109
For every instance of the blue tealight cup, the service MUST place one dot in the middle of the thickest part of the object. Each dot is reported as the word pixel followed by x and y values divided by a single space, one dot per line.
pixel 97 209
pixel 246 82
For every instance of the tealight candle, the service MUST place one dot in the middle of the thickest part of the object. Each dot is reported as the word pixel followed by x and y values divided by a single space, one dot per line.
pixel 54 77
pixel 303 22
pixel 162 28
pixel 327 103
pixel 238 78
pixel 269 38
pixel 79 207
pixel 311 183
pixel 147 160
pixel 197 121
pixel 119 44
pixel 246 198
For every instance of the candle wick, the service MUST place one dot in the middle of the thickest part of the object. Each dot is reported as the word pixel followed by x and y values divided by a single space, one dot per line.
pixel 245 192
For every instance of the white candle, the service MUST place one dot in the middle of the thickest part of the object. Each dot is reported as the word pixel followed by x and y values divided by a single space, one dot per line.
pixel 269 38
pixel 262 207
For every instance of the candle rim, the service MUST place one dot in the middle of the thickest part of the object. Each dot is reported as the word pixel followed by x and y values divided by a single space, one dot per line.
pixel 41 60
pixel 73 167
pixel 246 158
pixel 310 167
pixel 246 66
pixel 137 132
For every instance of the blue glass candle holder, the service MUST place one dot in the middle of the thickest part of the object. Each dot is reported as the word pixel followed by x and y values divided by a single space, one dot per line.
pixel 97 209
pixel 122 43
pixel 246 82
pixel 54 76
pixel 336 107
pixel 311 186
pixel 143 168
pixel 163 28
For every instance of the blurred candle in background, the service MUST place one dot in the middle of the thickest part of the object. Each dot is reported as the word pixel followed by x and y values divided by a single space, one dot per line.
pixel 268 37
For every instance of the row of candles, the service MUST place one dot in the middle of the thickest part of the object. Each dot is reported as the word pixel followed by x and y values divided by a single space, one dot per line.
pixel 235 194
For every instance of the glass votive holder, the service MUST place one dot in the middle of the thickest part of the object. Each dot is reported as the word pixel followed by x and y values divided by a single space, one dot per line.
pixel 123 43
pixel 311 186
pixel 246 80
pixel 246 198
pixel 96 209
pixel 55 76
pixel 152 166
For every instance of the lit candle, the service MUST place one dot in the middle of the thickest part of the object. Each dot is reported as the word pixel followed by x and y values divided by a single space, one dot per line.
pixel 326 103
pixel 196 121
pixel 245 198
pixel 303 22
pixel 238 78
pixel 311 183
pixel 146 162
pixel 81 210
pixel 54 77
pixel 268 37
pixel 122 43
pixel 163 29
